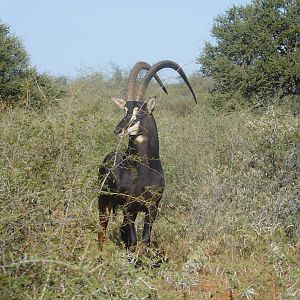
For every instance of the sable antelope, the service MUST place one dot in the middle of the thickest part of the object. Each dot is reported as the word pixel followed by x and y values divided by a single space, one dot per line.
pixel 134 179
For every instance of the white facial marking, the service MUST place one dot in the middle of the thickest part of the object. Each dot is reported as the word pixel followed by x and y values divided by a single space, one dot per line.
pixel 139 139
pixel 133 130
pixel 134 113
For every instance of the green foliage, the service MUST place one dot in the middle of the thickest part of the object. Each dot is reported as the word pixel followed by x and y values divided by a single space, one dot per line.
pixel 14 63
pixel 256 52
pixel 20 84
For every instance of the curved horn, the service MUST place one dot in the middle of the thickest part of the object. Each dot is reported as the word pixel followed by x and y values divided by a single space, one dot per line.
pixel 157 67
pixel 141 65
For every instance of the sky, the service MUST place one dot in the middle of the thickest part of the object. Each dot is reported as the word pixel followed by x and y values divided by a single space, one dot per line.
pixel 65 37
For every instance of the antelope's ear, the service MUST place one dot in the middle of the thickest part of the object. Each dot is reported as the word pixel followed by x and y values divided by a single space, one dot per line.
pixel 120 102
pixel 150 105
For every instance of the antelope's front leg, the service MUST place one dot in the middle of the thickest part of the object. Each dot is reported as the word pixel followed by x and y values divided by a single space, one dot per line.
pixel 128 232
pixel 150 216
pixel 104 213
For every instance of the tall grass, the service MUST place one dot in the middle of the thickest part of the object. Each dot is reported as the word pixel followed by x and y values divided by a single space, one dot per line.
pixel 229 220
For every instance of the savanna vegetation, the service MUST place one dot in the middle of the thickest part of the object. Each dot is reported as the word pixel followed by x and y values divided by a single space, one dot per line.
pixel 228 226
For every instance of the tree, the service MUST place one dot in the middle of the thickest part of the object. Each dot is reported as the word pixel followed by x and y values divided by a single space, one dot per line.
pixel 14 62
pixel 256 50
pixel 20 83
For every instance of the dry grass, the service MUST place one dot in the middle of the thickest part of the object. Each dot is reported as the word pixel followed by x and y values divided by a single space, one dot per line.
pixel 229 221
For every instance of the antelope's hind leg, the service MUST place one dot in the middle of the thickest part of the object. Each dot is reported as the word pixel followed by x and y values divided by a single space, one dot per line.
pixel 105 207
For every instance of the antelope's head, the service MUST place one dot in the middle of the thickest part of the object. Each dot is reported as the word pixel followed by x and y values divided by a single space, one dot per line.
pixel 135 119
pixel 135 108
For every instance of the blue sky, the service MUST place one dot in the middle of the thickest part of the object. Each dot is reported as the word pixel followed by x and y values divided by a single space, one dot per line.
pixel 64 36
